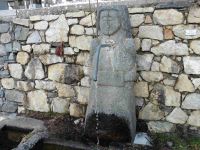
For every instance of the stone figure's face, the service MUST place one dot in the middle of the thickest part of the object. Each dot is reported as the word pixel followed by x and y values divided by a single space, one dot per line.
pixel 109 22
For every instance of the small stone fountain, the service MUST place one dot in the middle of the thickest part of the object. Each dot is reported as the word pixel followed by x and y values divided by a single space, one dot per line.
pixel 111 109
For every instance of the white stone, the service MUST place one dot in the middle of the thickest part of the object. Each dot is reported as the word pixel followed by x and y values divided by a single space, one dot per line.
pixel 72 21
pixel 155 66
pixel 16 70
pixel 77 30
pixel 146 45
pixel 60 105
pixel 196 82
pixel 83 59
pixel 144 61
pixel 177 116
pixel 194 119
pixel 58 30
pixel 5 38
pixel 172 98
pixel 65 90
pixel 68 51
pixel 137 10
pixel 194 15
pixel 8 83
pixel 82 94
pixel 169 82
pixel 181 30
pixel 45 85
pixel 22 58
pixel 76 110
pixel 151 112
pixel 151 76
pixel 56 72
pixel 49 59
pixel 35 18
pixel 34 38
pixel 25 86
pixel 195 46
pixel 37 101
pixel 81 42
pixel 184 84
pixel 191 65
pixel 161 127
pixel 27 48
pixel 136 20
pixel 191 101
pixel 167 17
pixel 169 66
pixel 49 17
pixel 42 25
pixel 85 81
pixel 90 31
pixel 23 22
pixel 41 48
pixel 141 89
pixel 75 14
pixel 151 32
pixel 86 21
pixel 170 48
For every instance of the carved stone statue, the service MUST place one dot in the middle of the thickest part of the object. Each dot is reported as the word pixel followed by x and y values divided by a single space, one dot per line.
pixel 111 108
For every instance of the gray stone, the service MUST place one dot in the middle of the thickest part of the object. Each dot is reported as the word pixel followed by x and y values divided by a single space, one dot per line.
pixel 170 48
pixel 49 59
pixel 137 43
pixel 136 20
pixel 177 116
pixel 152 32
pixel 22 58
pixel 5 38
pixel 21 33
pixel 37 101
pixel 60 105
pixel 196 82
pixel 172 98
pixel 191 101
pixel 16 96
pixel 58 30
pixel 8 47
pixel 4 27
pixel 141 89
pixel 181 31
pixel 85 81
pixel 25 85
pixel 184 84
pixel 191 65
pixel 155 66
pixel 75 14
pixel 146 44
pixel 45 85
pixel 8 83
pixel 151 112
pixel 9 107
pixel 169 66
pixel 16 46
pixel 4 74
pixel 83 59
pixel 42 25
pixel 137 10
pixel 77 30
pixel 194 119
pixel 86 21
pixel 65 90
pixel 34 69
pixel 90 31
pixel 82 94
pixel 16 70
pixel 72 21
pixel 195 46
pixel 34 38
pixel 161 127
pixel 23 22
pixel 3 50
pixel 76 110
pixel 49 17
pixel 27 48
pixel 150 76
pixel 35 18
pixel 168 17
pixel 41 48
pixel 144 61
pixel 194 15
pixel 68 51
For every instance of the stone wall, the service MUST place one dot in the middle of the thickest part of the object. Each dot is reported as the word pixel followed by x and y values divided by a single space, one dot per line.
pixel 33 77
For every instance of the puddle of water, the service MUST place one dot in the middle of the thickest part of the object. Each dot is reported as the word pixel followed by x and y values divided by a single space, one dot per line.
pixel 11 137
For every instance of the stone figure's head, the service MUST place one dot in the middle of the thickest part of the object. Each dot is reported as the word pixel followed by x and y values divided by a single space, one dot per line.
pixel 110 19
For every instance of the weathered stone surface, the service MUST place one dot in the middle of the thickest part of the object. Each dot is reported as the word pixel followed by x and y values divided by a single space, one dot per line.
pixel 75 14
pixel 72 21
pixel 191 65
pixel 81 42
pixel 34 69
pixel 41 48
pixel 14 95
pixel 49 17
pixel 168 34
pixel 22 58
pixel 27 48
pixel 77 30
pixel 161 127
pixel 8 83
pixel 21 33
pixel 170 48
pixel 177 116
pixel 137 43
pixel 148 19
pixel 82 94
pixel 151 112
pixel 184 84
pixel 2 50
pixel 5 38
pixel 45 85
pixel 10 107
pixel 23 22
pixel 60 105
pixel 65 90
pixel 155 66
pixel 34 38
pixel 180 31
pixel 85 81
pixel 146 45
pixel 150 76
pixel 76 110
pixel 194 15
pixel 169 66
pixel 37 101
pixel 144 61
pixel 58 30
pixel 35 18
pixel 136 20
pixel 83 59
pixel 4 27
pixel 140 10
pixel 196 82
pixel 90 31
pixel 42 25
pixel 172 98
pixel 4 74
pixel 86 21
pixel 141 89
pixel 49 59
pixel 191 101
pixel 152 32
pixel 16 46
pixel 57 72
pixel 25 85
pixel 168 17
pixel 68 51
pixel 194 119
pixel 16 70
pixel 195 46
